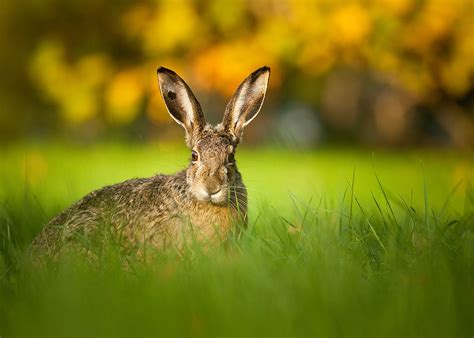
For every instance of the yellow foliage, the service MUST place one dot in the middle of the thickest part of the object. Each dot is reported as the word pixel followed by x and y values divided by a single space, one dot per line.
pixel 92 69
pixel 136 20
pixel 220 68
pixel 48 70
pixel 229 16
pixel 174 24
pixel 79 107
pixel 397 7
pixel 274 38
pixel 433 23
pixel 317 57
pixel 156 109
pixel 123 96
pixel 457 73
pixel 421 46
pixel 350 25
pixel 73 87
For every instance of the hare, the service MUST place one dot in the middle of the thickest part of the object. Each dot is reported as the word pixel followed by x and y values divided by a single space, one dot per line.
pixel 205 200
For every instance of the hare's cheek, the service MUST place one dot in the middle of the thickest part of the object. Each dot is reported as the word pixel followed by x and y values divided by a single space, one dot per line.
pixel 202 172
pixel 192 176
pixel 231 174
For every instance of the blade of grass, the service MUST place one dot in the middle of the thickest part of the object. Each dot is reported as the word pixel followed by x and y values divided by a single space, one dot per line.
pixel 371 226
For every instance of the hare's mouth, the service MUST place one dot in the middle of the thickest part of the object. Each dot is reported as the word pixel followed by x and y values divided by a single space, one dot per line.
pixel 217 198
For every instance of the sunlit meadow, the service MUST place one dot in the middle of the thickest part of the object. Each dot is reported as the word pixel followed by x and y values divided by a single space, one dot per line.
pixel 340 243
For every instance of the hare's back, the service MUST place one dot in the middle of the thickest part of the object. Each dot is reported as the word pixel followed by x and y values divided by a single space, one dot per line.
pixel 128 199
pixel 128 204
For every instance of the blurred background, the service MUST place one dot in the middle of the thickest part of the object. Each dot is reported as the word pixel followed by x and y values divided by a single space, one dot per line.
pixel 392 73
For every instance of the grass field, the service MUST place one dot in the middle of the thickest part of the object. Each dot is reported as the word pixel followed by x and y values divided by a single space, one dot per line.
pixel 341 243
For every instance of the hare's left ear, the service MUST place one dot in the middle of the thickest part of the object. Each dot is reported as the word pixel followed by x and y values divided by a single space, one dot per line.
pixel 246 102
pixel 181 103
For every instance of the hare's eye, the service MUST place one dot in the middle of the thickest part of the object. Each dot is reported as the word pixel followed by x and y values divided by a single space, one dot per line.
pixel 230 158
pixel 194 156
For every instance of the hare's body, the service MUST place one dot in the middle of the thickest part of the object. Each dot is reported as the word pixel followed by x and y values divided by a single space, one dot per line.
pixel 202 202
pixel 157 211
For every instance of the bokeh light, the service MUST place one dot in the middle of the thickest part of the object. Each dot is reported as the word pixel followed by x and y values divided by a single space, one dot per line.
pixel 392 72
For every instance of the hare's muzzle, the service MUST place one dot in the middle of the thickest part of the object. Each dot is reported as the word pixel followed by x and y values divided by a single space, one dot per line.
pixel 211 192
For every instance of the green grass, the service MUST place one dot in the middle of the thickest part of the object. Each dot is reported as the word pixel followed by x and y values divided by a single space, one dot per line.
pixel 341 243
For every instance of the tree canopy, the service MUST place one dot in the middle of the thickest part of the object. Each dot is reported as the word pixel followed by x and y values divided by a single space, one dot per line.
pixel 380 70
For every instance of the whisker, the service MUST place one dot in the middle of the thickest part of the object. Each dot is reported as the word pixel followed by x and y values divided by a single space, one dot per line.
pixel 245 188
pixel 232 190
pixel 240 198
pixel 236 194
pixel 238 208
pixel 234 207
pixel 236 191
pixel 240 202
pixel 236 187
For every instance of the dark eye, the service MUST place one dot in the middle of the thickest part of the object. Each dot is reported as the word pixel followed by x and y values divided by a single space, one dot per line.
pixel 230 158
pixel 194 156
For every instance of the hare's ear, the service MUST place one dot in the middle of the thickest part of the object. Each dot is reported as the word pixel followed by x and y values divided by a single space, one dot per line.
pixel 181 104
pixel 246 102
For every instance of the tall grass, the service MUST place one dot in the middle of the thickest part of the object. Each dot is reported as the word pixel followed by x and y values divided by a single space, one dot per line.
pixel 340 243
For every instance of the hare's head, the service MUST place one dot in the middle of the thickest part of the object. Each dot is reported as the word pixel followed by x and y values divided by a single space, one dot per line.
pixel 213 171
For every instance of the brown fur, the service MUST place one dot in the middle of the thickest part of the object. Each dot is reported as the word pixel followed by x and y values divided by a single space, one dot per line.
pixel 204 202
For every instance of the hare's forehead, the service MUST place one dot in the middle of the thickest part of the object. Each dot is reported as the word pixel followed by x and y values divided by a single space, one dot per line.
pixel 213 145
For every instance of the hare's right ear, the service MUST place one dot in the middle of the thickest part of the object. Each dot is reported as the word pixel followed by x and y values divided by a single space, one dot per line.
pixel 246 102
pixel 181 104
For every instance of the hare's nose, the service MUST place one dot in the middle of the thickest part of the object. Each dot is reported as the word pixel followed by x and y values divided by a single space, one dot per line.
pixel 213 186
pixel 214 191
